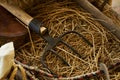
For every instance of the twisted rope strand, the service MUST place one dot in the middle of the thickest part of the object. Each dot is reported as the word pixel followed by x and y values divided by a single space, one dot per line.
pixel 99 73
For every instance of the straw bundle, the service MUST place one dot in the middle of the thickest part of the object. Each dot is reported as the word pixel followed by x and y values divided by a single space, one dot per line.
pixel 61 16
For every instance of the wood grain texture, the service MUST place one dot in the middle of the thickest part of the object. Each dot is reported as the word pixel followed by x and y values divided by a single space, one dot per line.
pixel 100 17
pixel 20 14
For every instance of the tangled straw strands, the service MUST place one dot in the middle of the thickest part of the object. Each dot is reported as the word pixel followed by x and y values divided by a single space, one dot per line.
pixel 59 17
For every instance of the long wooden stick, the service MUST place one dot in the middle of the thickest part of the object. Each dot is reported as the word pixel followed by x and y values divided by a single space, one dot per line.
pixel 28 20
pixel 20 14
pixel 103 19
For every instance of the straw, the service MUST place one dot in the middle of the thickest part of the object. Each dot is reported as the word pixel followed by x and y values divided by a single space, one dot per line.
pixel 61 16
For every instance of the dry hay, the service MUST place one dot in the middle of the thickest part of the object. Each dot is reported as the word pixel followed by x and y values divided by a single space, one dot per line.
pixel 61 16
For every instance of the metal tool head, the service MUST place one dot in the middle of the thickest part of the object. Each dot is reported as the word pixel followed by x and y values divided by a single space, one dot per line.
pixel 37 27
pixel 53 42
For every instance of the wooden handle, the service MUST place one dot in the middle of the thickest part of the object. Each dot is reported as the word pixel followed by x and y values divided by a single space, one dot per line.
pixel 103 19
pixel 33 24
pixel 20 14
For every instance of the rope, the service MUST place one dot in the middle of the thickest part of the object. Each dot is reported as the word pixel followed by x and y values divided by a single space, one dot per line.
pixel 17 67
pixel 79 77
